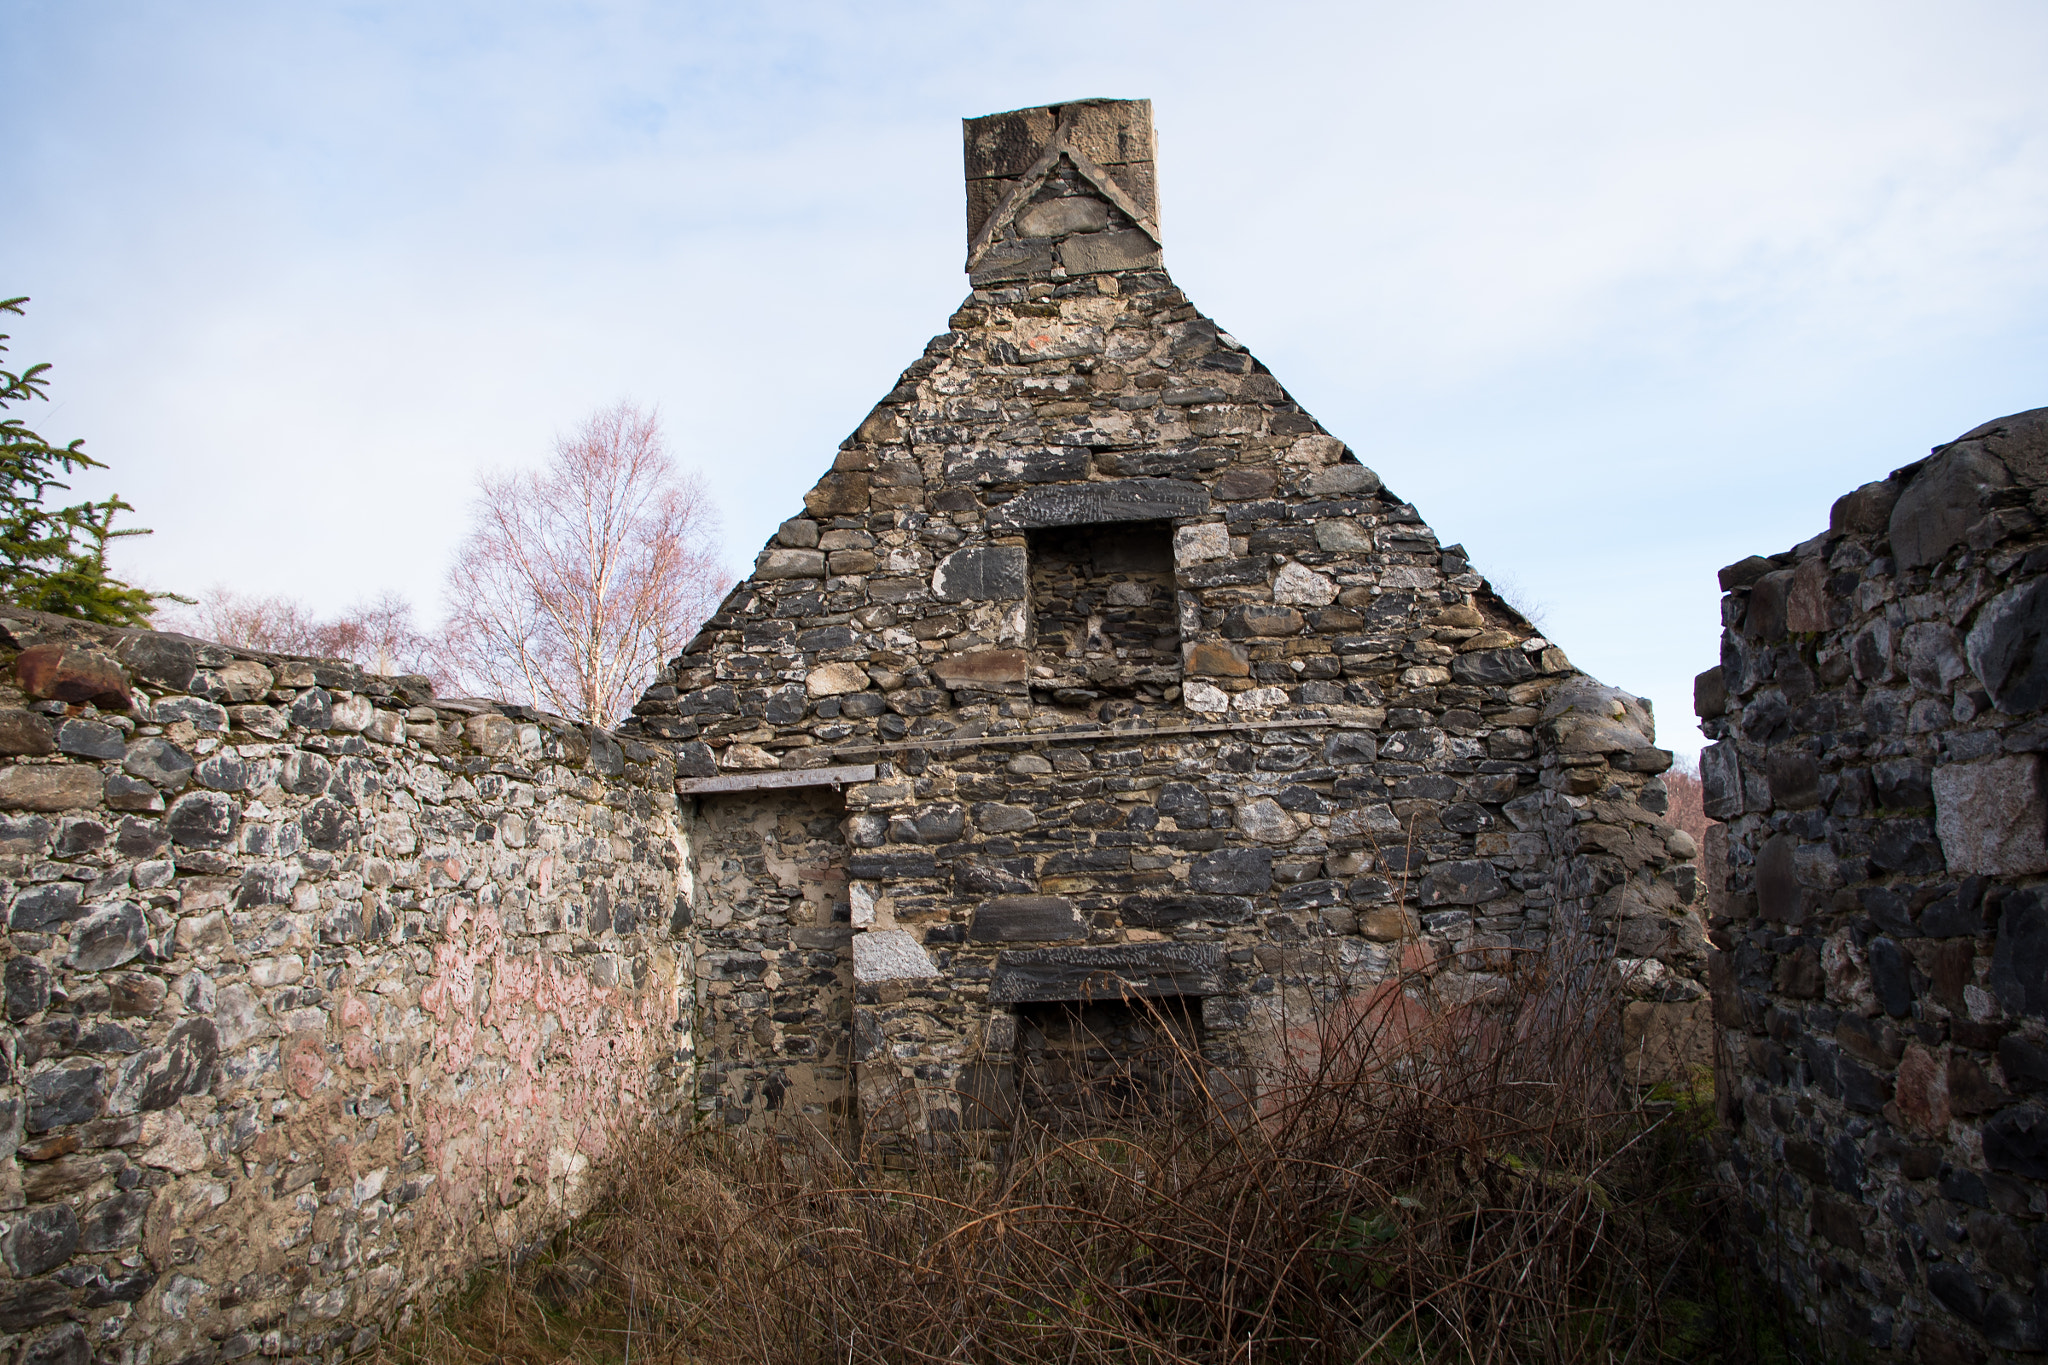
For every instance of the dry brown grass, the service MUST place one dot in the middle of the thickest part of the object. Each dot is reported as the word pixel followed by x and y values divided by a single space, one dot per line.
pixel 1428 1179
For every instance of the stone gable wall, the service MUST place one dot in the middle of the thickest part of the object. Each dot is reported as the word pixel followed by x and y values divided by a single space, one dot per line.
pixel 1359 758
pixel 1880 976
pixel 318 990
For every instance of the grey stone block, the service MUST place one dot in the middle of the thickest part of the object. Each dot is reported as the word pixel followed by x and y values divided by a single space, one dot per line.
pixel 1058 217
pixel 1026 919
pixel 1083 504
pixel 1098 252
pixel 1118 972
pixel 789 563
pixel 2005 648
pixel 986 573
pixel 1937 508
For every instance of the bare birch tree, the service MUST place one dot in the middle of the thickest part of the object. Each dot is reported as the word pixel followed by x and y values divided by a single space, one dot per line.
pixel 576 581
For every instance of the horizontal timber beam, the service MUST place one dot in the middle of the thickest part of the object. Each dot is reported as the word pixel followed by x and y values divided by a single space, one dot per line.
pixel 779 777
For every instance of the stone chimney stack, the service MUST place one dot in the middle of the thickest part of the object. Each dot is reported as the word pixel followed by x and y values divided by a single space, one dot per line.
pixel 1061 190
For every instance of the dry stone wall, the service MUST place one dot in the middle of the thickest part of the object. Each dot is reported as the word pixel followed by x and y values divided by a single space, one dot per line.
pixel 1880 971
pixel 318 990
pixel 1135 681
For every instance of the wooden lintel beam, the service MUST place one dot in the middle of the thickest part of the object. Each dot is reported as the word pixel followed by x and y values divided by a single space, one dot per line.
pixel 776 778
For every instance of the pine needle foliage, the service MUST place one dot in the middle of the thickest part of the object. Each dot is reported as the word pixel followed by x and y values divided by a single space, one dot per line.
pixel 54 559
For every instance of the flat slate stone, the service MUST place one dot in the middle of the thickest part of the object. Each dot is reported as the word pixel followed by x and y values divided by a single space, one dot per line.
pixel 1083 504
pixel 1115 972
pixel 1026 919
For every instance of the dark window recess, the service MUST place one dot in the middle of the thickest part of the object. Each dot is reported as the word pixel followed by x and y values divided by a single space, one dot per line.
pixel 1103 611
pixel 1104 1066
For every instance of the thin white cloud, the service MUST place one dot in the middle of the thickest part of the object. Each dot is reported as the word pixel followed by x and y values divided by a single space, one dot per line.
pixel 1616 293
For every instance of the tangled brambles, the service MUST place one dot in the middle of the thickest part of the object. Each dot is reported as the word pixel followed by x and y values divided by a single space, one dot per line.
pixel 1417 1178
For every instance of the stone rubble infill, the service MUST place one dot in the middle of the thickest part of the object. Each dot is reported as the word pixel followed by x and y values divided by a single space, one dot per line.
pixel 318 990
pixel 1880 916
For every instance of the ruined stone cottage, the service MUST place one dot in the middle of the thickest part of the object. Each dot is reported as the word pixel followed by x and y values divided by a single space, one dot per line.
pixel 1095 671
pixel 1093 675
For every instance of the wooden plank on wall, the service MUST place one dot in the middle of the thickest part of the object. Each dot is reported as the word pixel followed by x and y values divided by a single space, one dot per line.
pixel 779 777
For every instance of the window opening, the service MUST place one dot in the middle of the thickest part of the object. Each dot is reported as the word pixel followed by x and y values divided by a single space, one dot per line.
pixel 1109 1064
pixel 1104 611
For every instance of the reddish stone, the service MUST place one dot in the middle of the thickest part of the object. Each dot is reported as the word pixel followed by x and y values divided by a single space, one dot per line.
pixel 1921 1099
pixel 982 667
pixel 69 674
pixel 838 495
pixel 1806 604
pixel 1216 659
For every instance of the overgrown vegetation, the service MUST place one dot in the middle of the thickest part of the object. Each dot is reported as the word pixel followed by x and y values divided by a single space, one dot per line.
pixel 1425 1178
pixel 55 558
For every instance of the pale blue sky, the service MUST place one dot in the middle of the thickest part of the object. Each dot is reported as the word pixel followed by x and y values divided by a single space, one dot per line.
pixel 1615 292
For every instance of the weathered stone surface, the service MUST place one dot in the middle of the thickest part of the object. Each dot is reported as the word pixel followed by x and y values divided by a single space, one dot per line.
pixel 1721 781
pixel 1058 217
pixel 992 573
pixel 1116 972
pixel 1878 767
pixel 1941 502
pixel 1088 503
pixel 889 955
pixel 2006 649
pixel 25 733
pixel 1026 919
pixel 1303 587
pixel 1264 819
pixel 1341 478
pixel 983 667
pixel 157 1078
pixel 66 1095
pixel 39 1239
pixel 49 788
pixel 1461 883
pixel 838 495
pixel 1089 253
pixel 1237 872
pixel 1218 659
pixel 68 673
pixel 202 820
pixel 836 680
pixel 1709 694
pixel 1991 817
pixel 107 937
pixel 782 563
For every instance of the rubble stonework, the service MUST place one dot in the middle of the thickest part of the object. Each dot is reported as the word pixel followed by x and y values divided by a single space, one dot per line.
pixel 1126 677
pixel 319 991
pixel 1881 923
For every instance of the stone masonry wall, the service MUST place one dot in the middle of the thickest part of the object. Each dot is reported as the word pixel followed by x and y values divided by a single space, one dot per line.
pixel 318 990
pixel 1358 757
pixel 1880 976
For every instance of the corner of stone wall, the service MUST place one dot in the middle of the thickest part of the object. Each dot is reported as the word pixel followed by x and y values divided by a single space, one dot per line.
pixel 1626 881
pixel 1880 964
pixel 319 990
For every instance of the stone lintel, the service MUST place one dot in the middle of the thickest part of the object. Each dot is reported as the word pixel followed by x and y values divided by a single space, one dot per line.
pixel 764 781
pixel 1114 972
pixel 1083 504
